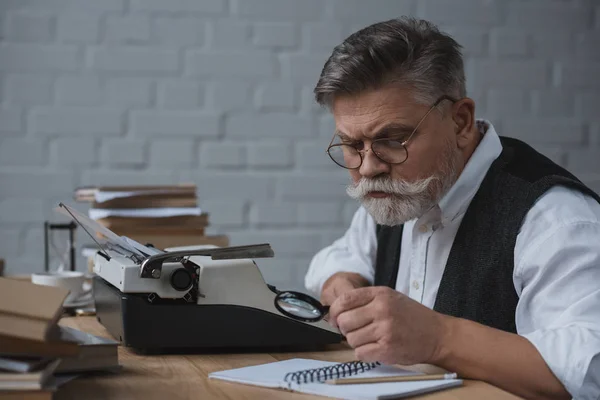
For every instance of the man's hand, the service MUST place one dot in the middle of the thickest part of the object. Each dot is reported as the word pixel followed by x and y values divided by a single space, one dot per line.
pixel 384 325
pixel 340 283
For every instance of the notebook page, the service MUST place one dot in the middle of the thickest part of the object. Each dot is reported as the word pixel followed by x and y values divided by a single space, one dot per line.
pixel 272 374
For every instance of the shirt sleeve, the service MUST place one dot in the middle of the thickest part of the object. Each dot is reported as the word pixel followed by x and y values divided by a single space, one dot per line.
pixel 355 252
pixel 557 276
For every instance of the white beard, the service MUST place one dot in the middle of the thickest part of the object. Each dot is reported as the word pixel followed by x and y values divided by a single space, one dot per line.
pixel 407 200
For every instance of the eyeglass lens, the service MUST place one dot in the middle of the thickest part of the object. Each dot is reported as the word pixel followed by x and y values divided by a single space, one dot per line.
pixel 389 151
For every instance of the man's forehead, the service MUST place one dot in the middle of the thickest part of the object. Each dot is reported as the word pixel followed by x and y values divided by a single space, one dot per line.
pixel 366 114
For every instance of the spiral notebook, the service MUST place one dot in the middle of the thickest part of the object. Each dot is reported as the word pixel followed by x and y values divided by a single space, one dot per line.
pixel 308 376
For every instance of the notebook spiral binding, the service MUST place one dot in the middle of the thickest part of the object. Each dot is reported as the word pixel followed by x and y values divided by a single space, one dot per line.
pixel 334 371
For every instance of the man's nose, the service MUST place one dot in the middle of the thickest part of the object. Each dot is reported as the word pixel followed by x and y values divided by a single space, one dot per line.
pixel 371 165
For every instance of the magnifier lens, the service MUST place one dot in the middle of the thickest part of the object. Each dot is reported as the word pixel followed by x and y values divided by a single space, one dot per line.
pixel 299 308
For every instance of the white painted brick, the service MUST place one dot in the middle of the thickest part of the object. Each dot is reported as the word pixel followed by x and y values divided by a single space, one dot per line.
pixel 326 126
pixel 75 121
pixel 583 160
pixel 228 96
pixel 11 120
pixel 223 155
pixel 302 67
pixel 277 125
pixel 284 243
pixel 473 40
pixel 314 187
pixel 587 45
pixel 227 64
pixel 588 104
pixel 21 210
pixel 28 89
pixel 553 103
pixel 21 152
pixel 553 45
pixel 460 12
pixel 134 59
pixel 120 177
pixel 330 235
pixel 229 34
pixel 580 75
pixel 373 11
pixel 59 5
pixel 226 214
pixel 314 156
pixel 228 186
pixel 278 9
pixel 270 214
pixel 275 34
pixel 276 96
pixel 179 6
pixel 350 208
pixel 178 31
pixel 37 57
pixel 509 43
pixel 127 153
pixel 79 91
pixel 322 35
pixel 508 102
pixel 597 12
pixel 180 94
pixel 320 213
pixel 131 29
pixel 174 123
pixel 549 131
pixel 551 15
pixel 26 26
pixel 73 152
pixel 127 92
pixel 171 153
pixel 36 183
pixel 270 154
pixel 78 28
pixel 530 74
pixel 10 243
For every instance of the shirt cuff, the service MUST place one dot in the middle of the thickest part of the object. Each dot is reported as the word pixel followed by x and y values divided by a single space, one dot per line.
pixel 573 354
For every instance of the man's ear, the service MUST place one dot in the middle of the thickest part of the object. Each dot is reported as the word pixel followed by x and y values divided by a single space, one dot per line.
pixel 463 114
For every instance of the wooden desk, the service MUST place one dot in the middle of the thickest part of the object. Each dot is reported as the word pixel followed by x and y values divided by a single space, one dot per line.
pixel 175 377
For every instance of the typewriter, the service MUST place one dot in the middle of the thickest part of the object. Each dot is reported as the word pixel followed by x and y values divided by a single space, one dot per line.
pixel 195 297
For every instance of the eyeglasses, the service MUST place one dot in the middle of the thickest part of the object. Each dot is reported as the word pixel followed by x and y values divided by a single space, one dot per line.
pixel 389 151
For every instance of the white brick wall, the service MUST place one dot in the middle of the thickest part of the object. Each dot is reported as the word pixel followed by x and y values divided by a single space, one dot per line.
pixel 219 92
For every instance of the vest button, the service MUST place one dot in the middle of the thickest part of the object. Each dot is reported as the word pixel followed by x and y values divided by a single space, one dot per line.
pixel 423 228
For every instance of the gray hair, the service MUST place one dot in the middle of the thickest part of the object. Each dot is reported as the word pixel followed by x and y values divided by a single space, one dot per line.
pixel 406 51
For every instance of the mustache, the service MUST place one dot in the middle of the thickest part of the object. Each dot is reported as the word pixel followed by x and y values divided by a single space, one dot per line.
pixel 388 185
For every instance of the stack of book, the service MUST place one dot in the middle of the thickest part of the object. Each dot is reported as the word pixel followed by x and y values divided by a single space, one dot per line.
pixel 163 216
pixel 36 353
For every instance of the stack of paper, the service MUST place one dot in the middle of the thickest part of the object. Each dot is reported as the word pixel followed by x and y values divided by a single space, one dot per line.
pixel 34 348
pixel 164 216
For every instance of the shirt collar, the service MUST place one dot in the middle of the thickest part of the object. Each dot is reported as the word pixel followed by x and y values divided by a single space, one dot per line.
pixel 457 199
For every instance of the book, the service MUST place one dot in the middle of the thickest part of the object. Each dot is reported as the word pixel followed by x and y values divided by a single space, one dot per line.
pixel 148 201
pixel 23 363
pixel 35 380
pixel 95 352
pixel 28 310
pixel 308 376
pixel 120 224
pixel 100 194
pixel 13 346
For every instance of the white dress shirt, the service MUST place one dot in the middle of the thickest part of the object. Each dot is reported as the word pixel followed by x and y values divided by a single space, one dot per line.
pixel 556 266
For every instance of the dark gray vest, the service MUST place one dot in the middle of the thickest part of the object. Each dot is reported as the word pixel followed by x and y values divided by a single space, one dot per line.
pixel 477 283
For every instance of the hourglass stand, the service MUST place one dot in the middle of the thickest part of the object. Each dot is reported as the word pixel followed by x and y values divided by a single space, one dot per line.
pixel 51 227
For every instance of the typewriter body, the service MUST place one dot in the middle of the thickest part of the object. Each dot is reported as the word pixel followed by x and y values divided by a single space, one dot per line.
pixel 199 297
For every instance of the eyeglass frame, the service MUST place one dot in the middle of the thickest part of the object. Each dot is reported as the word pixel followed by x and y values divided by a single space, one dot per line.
pixel 402 143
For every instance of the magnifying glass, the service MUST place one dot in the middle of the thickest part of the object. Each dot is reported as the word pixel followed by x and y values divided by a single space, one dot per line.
pixel 300 306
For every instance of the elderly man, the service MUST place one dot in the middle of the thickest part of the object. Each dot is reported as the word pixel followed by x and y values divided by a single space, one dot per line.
pixel 470 250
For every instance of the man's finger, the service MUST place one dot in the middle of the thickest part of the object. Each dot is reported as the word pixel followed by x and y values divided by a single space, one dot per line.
pixel 351 320
pixel 370 352
pixel 352 299
pixel 363 336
